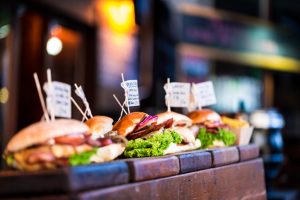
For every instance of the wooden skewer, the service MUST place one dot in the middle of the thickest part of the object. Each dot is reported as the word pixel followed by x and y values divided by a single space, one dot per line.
pixel 126 94
pixel 88 109
pixel 38 87
pixel 120 104
pixel 77 106
pixel 49 91
pixel 169 98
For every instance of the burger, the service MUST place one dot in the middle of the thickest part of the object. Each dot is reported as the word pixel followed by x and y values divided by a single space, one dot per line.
pixel 155 135
pixel 209 128
pixel 48 145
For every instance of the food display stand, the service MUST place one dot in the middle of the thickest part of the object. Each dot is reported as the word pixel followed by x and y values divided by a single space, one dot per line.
pixel 227 173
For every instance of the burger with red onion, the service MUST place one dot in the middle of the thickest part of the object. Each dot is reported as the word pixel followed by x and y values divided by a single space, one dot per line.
pixel 63 142
pixel 209 128
pixel 156 135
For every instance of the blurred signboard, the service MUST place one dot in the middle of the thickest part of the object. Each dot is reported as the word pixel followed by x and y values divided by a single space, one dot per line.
pixel 227 36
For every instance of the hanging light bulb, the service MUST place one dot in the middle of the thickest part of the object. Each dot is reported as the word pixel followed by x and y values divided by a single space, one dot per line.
pixel 54 46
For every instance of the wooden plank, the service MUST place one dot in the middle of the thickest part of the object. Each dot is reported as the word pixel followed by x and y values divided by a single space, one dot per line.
pixel 150 168
pixel 97 176
pixel 243 180
pixel 224 156
pixel 63 180
pixel 194 161
pixel 248 152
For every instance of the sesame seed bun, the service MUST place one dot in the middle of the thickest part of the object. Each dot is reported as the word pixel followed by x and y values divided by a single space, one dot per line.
pixel 40 132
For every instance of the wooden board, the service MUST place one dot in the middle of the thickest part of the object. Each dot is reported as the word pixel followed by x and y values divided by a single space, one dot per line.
pixel 156 177
pixel 236 181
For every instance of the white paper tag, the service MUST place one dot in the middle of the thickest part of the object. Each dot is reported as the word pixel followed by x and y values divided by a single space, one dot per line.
pixel 60 99
pixel 205 94
pixel 132 90
pixel 179 94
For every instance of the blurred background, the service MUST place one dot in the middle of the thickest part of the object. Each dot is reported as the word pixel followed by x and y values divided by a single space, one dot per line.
pixel 250 49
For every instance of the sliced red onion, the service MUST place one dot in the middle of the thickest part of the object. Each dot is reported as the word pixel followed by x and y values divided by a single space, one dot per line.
pixel 147 121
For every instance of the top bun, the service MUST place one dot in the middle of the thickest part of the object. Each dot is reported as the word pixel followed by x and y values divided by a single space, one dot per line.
pixel 178 119
pixel 200 116
pixel 99 125
pixel 40 132
pixel 128 123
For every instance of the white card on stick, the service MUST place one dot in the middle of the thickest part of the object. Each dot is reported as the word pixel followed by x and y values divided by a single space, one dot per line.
pixel 59 98
pixel 132 90
pixel 205 94
pixel 179 94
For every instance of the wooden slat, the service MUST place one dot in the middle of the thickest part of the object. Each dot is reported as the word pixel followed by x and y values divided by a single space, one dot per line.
pixel 248 152
pixel 224 156
pixel 194 161
pixel 151 168
pixel 236 181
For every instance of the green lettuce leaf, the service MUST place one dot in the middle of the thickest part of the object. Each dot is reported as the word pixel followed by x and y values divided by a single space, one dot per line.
pixel 82 158
pixel 153 146
pixel 10 160
pixel 224 135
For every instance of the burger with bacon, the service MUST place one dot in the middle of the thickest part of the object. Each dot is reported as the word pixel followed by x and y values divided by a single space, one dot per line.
pixel 209 128
pixel 156 135
pixel 63 142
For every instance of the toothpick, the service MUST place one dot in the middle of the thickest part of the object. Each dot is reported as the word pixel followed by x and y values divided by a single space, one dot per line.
pixel 83 98
pixel 85 113
pixel 120 104
pixel 77 106
pixel 51 94
pixel 38 87
pixel 126 92
pixel 169 97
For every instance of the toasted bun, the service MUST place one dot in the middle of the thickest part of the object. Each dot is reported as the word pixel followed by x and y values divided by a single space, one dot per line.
pixel 127 124
pixel 200 116
pixel 177 118
pixel 40 132
pixel 99 125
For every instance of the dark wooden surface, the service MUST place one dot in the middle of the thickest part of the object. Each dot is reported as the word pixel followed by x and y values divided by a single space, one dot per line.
pixel 224 156
pixel 236 181
pixel 194 161
pixel 151 168
pixel 227 173
pixel 63 180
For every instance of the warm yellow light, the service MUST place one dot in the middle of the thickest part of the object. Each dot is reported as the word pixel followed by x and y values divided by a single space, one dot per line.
pixel 118 15
pixel 4 94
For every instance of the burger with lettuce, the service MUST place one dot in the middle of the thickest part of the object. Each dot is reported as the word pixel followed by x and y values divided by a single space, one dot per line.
pixel 63 142
pixel 157 135
pixel 208 127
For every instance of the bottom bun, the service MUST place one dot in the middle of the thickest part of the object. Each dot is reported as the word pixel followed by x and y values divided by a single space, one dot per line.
pixel 175 148
pixel 217 144
pixel 108 153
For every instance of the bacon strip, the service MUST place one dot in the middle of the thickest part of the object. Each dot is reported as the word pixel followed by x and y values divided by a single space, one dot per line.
pixel 153 127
